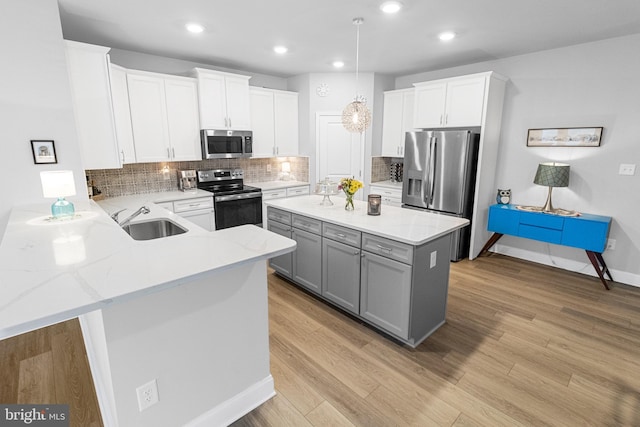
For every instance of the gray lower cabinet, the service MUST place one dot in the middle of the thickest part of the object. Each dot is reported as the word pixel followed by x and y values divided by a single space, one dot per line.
pixel 385 292
pixel 307 265
pixel 341 274
pixel 283 264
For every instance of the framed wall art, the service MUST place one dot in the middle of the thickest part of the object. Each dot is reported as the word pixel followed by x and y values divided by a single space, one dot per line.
pixel 565 137
pixel 44 151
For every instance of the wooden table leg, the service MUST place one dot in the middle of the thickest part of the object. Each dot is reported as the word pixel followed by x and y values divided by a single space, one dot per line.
pixel 597 261
pixel 492 240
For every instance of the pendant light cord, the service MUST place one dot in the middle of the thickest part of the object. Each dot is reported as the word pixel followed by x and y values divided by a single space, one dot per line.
pixel 357 22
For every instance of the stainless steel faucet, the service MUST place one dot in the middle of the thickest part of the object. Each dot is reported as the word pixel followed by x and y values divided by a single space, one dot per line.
pixel 143 210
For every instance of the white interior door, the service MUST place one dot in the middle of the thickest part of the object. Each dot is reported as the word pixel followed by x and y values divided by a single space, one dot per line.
pixel 339 152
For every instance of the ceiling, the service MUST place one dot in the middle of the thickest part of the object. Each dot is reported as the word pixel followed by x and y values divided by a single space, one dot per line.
pixel 241 34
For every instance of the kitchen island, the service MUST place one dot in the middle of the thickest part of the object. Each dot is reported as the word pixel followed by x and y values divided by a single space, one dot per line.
pixel 391 270
pixel 187 311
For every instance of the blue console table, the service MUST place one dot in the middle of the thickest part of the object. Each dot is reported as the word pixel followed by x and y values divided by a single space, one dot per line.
pixel 587 231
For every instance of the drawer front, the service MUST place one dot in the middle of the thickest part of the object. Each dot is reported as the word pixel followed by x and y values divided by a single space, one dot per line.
pixel 274 194
pixel 298 191
pixel 540 233
pixel 193 204
pixel 503 220
pixel 553 222
pixel 584 234
pixel 308 224
pixel 341 234
pixel 388 248
pixel 274 214
pixel 386 192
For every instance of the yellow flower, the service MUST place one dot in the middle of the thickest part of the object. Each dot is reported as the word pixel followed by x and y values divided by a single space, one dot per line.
pixel 350 185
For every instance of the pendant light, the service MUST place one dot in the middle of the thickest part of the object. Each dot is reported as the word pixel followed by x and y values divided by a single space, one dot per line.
pixel 356 117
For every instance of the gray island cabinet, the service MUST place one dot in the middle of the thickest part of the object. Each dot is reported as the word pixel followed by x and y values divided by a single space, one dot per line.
pixel 391 271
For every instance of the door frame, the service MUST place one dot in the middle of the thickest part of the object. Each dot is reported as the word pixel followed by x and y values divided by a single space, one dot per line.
pixel 361 141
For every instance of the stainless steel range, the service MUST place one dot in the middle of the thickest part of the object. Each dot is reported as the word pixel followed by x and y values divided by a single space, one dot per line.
pixel 233 202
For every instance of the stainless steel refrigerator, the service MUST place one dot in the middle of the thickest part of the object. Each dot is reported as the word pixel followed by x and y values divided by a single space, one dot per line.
pixel 440 175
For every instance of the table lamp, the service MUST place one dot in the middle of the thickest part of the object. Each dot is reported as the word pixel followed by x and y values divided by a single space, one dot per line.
pixel 59 184
pixel 552 175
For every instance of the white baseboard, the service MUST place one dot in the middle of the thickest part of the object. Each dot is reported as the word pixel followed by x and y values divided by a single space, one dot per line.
pixel 566 264
pixel 239 405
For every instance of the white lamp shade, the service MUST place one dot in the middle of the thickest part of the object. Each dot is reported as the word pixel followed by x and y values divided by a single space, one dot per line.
pixel 57 184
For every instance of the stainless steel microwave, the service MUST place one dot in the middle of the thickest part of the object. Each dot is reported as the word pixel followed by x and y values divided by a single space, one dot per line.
pixel 226 144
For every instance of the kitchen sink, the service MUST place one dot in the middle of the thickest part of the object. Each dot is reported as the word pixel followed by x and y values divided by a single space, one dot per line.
pixel 153 229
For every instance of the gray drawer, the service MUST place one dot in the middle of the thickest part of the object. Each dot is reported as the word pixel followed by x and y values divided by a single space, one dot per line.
pixel 308 224
pixel 388 248
pixel 274 214
pixel 341 234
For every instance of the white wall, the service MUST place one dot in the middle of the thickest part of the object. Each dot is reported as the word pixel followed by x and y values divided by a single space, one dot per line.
pixel 35 102
pixel 594 84
pixel 342 90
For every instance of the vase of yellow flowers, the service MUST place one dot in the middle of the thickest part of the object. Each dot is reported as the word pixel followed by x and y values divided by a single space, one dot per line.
pixel 350 186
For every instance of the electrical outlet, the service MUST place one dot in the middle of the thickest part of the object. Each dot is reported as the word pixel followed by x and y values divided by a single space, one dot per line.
pixel 147 395
pixel 268 167
pixel 627 169
pixel 432 262
pixel 611 244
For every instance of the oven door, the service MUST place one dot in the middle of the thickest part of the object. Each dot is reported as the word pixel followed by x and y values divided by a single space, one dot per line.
pixel 238 209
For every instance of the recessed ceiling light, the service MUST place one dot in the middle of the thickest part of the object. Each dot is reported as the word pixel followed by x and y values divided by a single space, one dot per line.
pixel 391 6
pixel 338 64
pixel 280 49
pixel 446 36
pixel 192 27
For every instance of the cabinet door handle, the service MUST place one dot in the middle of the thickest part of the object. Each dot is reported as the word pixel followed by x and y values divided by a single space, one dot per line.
pixel 122 154
pixel 356 253
pixel 168 153
pixel 173 151
pixel 440 118
pixel 342 236
pixel 446 119
pixel 194 205
pixel 230 122
pixel 383 248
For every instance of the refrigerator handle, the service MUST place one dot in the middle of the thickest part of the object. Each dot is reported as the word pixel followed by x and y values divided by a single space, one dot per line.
pixel 432 168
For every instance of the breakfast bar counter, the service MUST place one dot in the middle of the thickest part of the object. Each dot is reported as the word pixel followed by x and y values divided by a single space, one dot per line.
pixel 187 311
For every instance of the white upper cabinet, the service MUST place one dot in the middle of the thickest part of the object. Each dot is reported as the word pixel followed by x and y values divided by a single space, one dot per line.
pixel 274 122
pixel 88 68
pixel 224 100
pixel 164 117
pixel 397 118
pixel 122 114
pixel 262 121
pixel 182 113
pixel 451 102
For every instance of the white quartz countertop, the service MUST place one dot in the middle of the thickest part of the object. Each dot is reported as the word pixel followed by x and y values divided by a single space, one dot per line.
pixel 52 271
pixel 388 184
pixel 410 226
pixel 276 185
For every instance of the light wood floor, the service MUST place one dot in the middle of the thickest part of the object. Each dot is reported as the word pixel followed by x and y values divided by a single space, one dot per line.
pixel 524 344
pixel 49 366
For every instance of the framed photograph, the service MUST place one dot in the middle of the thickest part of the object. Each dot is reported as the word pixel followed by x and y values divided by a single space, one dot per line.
pixel 43 151
pixel 564 137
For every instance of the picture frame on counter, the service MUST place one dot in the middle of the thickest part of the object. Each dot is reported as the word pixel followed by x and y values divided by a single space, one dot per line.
pixel 44 151
pixel 565 137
